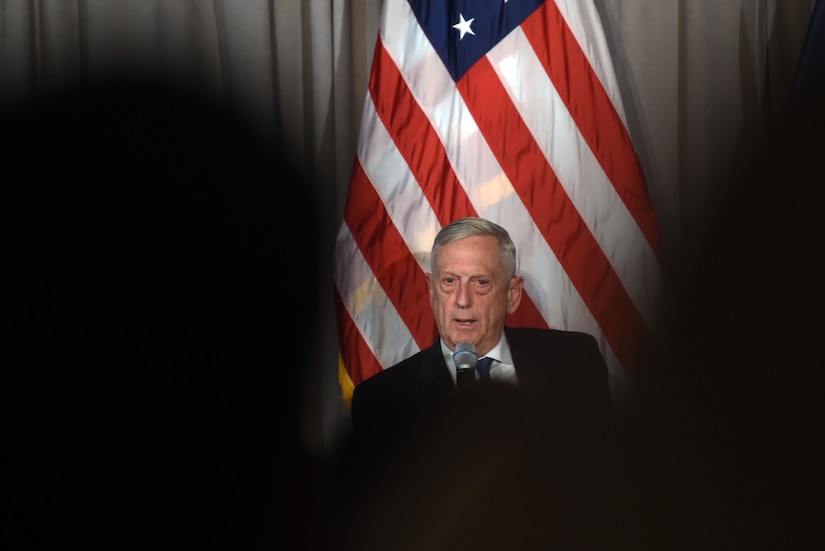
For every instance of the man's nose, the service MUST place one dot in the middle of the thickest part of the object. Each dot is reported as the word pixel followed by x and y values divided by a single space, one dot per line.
pixel 464 296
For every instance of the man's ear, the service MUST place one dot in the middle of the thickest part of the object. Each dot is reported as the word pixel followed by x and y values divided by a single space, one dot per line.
pixel 514 292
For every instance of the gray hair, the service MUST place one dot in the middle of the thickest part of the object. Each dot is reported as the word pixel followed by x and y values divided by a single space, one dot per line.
pixel 467 227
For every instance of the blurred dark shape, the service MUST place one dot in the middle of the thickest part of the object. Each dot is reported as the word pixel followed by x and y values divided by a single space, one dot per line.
pixel 489 469
pixel 157 290
pixel 727 450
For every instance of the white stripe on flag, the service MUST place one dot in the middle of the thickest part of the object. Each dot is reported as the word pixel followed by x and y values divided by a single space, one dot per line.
pixel 368 305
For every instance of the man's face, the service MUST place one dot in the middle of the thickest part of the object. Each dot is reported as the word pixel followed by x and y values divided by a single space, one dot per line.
pixel 469 293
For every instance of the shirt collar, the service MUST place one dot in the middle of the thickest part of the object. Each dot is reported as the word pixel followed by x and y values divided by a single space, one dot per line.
pixel 501 351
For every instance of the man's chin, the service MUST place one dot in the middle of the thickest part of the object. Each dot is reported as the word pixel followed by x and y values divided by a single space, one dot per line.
pixel 464 336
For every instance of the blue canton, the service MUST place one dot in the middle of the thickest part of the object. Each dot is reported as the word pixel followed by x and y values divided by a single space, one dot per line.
pixel 488 20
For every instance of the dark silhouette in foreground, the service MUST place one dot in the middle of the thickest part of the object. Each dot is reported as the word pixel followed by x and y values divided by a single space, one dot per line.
pixel 150 385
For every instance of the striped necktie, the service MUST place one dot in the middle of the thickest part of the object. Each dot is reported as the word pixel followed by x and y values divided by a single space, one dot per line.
pixel 483 368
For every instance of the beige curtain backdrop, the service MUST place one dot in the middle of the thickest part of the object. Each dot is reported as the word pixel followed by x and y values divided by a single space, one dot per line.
pixel 703 82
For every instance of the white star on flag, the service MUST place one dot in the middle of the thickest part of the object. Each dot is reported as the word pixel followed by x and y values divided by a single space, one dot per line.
pixel 464 26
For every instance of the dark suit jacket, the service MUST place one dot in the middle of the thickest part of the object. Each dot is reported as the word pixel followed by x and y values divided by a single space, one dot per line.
pixel 562 376
pixel 537 454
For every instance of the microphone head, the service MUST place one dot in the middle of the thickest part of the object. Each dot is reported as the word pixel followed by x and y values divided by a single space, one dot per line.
pixel 465 356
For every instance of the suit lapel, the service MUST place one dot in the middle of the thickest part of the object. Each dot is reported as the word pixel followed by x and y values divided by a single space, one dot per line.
pixel 433 374
pixel 526 354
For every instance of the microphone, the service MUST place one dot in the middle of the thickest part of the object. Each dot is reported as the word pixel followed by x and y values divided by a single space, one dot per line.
pixel 465 359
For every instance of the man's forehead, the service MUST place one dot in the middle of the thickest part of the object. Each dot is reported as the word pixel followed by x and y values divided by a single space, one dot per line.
pixel 480 243
pixel 491 271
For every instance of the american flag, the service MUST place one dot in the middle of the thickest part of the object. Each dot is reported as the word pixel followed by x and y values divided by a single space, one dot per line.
pixel 508 110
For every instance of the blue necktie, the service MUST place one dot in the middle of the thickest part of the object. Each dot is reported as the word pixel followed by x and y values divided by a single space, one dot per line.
pixel 483 368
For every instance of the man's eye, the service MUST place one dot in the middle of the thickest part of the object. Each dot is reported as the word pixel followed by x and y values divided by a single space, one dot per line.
pixel 449 280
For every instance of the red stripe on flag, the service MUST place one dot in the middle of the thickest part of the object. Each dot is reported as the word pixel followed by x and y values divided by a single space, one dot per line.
pixel 389 258
pixel 594 112
pixel 551 209
pixel 359 360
